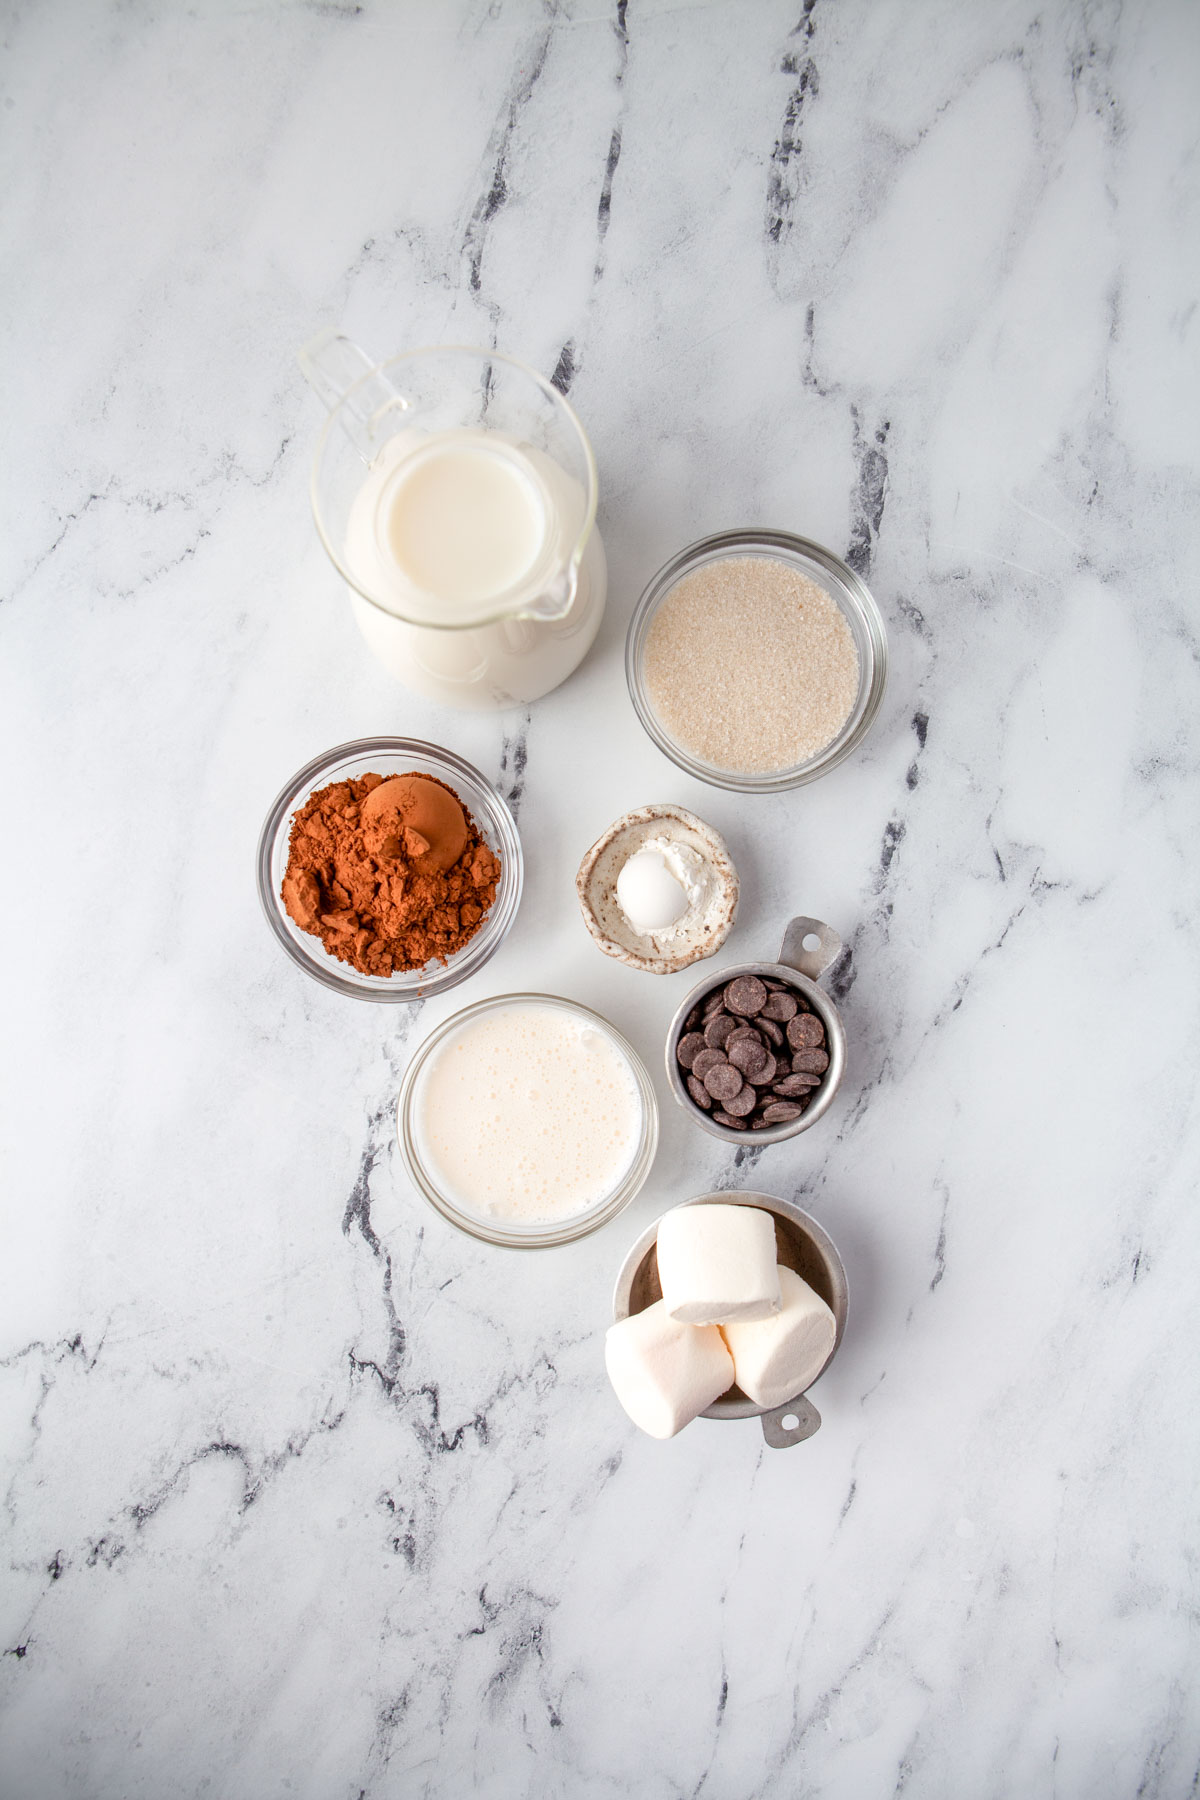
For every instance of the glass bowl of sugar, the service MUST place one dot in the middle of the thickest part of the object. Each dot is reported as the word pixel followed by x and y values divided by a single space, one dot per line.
pixel 527 1121
pixel 756 660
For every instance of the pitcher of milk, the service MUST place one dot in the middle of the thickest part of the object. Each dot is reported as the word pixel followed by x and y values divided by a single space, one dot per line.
pixel 455 492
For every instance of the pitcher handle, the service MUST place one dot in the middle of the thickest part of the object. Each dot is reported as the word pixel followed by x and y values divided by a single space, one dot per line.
pixel 345 378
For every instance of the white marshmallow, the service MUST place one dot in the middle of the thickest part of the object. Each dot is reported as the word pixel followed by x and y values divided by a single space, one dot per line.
pixel 665 1374
pixel 777 1358
pixel 718 1262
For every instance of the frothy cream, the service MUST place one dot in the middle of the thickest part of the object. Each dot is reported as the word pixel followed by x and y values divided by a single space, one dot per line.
pixel 527 1112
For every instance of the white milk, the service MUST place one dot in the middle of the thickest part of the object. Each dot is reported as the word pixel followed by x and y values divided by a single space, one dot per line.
pixel 435 490
pixel 527 1112
pixel 456 523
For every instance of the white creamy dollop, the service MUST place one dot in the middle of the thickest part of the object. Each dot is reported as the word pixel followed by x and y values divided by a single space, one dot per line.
pixel 650 894
pixel 663 886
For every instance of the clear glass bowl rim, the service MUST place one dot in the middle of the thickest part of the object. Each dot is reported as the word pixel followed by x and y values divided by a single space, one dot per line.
pixel 481 947
pixel 333 423
pixel 548 1234
pixel 873 667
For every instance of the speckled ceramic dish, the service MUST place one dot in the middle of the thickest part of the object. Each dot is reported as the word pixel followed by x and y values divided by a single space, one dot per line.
pixel 596 885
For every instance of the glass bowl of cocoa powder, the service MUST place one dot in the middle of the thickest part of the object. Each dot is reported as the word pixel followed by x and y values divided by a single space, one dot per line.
pixel 368 896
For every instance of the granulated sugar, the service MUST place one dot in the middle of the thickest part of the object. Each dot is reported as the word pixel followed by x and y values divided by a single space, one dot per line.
pixel 750 665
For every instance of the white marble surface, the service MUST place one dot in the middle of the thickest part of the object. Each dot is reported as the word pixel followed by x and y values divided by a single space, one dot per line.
pixel 307 1495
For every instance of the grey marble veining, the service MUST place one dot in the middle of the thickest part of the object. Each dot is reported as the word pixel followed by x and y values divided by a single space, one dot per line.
pixel 307 1495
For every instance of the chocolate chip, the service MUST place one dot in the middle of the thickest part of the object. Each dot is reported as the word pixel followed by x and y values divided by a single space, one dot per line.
pixel 792 1086
pixel 765 1076
pixel 746 995
pixel 749 1056
pixel 723 1082
pixel 805 1032
pixel 756 1053
pixel 699 1093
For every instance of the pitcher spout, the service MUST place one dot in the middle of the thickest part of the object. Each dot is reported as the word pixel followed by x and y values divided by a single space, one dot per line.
pixel 556 598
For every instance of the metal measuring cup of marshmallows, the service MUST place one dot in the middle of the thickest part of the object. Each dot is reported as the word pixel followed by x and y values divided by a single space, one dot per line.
pixel 801 1244
pixel 810 948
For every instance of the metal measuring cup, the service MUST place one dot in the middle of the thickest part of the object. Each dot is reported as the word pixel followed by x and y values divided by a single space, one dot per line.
pixel 801 969
pixel 802 1245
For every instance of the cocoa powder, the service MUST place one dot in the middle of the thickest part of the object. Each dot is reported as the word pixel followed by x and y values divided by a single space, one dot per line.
pixel 370 890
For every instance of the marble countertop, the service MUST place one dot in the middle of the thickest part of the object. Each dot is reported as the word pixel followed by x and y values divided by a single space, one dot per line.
pixel 307 1494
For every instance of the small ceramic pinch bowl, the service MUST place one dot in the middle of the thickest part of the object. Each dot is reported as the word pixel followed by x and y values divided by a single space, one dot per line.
pixel 596 886
pixel 801 1244
pixel 810 948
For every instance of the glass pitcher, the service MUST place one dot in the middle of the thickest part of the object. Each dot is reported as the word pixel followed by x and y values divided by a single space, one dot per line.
pixel 455 492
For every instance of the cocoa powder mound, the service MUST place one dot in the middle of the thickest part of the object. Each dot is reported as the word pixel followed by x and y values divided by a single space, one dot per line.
pixel 368 888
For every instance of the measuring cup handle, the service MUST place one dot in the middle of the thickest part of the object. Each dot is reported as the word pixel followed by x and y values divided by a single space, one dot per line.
pixel 811 962
pixel 778 1435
